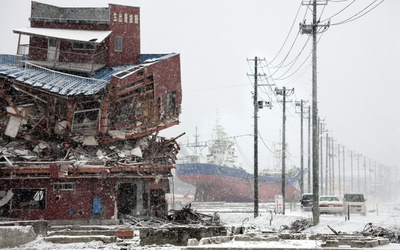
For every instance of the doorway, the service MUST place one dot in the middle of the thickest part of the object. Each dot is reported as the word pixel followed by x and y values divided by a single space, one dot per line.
pixel 126 198
pixel 52 50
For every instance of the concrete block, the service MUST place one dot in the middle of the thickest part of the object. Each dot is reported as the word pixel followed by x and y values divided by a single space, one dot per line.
pixel 256 238
pixel 124 233
pixel 178 236
pixel 205 241
pixel 193 242
pixel 383 241
pixel 332 243
pixel 12 236
pixel 80 239
pixel 364 243
pixel 285 236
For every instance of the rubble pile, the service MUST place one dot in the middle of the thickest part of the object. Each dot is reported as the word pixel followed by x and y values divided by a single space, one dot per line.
pixel 153 149
pixel 184 216
pixel 391 234
pixel 297 226
pixel 187 216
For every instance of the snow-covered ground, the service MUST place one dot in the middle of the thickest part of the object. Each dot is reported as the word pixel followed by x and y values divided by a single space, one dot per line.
pixel 384 215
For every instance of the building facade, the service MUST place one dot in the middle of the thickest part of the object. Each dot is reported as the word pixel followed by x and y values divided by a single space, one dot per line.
pixel 80 113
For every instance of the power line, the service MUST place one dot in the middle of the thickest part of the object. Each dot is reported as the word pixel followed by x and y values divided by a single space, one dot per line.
pixel 287 36
pixel 280 65
pixel 301 65
pixel 339 11
pixel 355 16
pixel 281 77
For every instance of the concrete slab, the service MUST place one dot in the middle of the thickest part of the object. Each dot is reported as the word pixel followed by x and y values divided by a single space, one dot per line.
pixel 12 236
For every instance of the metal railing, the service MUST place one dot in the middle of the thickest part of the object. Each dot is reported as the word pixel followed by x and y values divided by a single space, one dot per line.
pixel 8 59
pixel 79 60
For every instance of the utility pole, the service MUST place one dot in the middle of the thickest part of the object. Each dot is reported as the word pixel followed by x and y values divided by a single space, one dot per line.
pixel 338 157
pixel 301 150
pixel 358 173
pixel 313 29
pixel 308 149
pixel 351 169
pixel 370 179
pixel 376 181
pixel 321 158
pixel 365 174
pixel 284 92
pixel 315 118
pixel 255 139
pixel 332 166
pixel 300 103
pixel 327 165
pixel 256 105
pixel 344 171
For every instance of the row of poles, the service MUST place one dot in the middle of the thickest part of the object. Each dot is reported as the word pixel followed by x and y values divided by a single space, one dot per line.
pixel 341 170
pixel 317 171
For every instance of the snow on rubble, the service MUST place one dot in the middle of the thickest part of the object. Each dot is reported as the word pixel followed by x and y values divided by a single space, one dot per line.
pixel 385 215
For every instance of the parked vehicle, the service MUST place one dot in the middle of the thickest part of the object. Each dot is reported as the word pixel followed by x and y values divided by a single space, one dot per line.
pixel 330 204
pixel 355 204
pixel 306 202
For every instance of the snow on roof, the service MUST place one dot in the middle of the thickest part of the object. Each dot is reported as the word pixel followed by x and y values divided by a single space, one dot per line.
pixel 68 84
pixel 96 36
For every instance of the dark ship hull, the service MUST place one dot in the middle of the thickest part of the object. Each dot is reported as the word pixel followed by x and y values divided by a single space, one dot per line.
pixel 230 184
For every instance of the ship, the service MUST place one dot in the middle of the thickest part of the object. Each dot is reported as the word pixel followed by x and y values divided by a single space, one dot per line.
pixel 216 177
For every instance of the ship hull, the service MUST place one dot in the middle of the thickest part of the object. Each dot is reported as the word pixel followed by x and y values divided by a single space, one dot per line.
pixel 222 183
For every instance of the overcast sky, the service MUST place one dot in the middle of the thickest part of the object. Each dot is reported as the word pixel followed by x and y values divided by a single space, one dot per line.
pixel 358 67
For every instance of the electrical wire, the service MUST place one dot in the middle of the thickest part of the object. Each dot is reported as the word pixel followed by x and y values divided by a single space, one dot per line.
pixel 301 65
pixel 355 17
pixel 246 161
pixel 339 11
pixel 262 140
pixel 281 77
pixel 287 36
pixel 280 65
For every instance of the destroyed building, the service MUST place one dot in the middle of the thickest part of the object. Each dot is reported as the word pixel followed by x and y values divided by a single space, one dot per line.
pixel 80 112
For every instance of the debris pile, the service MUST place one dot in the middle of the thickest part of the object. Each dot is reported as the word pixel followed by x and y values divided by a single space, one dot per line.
pixel 391 234
pixel 149 151
pixel 187 216
pixel 297 226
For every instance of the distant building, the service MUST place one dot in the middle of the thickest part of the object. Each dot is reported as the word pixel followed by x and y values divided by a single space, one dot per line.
pixel 80 110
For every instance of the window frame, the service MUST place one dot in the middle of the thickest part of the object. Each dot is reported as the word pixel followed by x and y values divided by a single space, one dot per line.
pixel 63 186
pixel 119 45
pixel 86 46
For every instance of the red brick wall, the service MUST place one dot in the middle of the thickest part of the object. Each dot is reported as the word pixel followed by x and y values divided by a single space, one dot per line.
pixel 123 23
pixel 167 78
pixel 80 199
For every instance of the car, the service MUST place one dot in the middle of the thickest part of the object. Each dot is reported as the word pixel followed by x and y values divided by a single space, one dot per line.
pixel 330 204
pixel 306 202
pixel 354 204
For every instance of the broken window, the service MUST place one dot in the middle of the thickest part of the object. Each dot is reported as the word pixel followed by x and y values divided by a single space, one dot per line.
pixel 64 186
pixel 170 105
pixel 126 113
pixel 52 42
pixel 127 198
pixel 26 199
pixel 85 119
pixel 82 46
